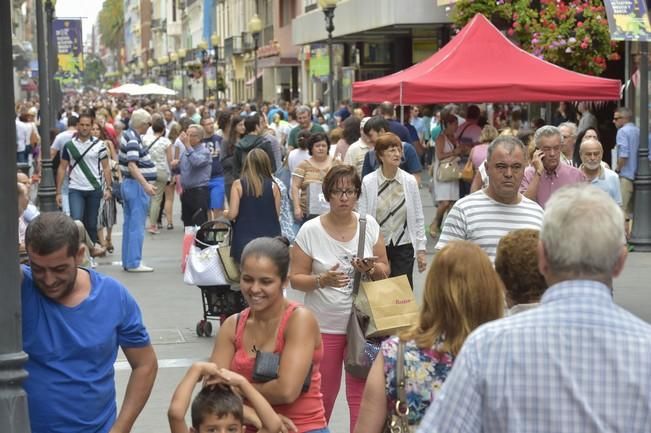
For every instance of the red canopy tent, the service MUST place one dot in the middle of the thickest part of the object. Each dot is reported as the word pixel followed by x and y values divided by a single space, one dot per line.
pixel 481 65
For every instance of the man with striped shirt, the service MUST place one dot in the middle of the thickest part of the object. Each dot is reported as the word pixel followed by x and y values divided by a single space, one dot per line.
pixel 488 214
pixel 138 170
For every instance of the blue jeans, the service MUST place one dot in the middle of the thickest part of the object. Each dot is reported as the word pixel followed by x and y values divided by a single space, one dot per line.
pixel 136 206
pixel 84 206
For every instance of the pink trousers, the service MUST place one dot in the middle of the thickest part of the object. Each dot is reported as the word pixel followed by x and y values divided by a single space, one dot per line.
pixel 334 349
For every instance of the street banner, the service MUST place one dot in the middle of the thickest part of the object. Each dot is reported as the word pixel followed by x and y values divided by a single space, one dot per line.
pixel 67 36
pixel 628 20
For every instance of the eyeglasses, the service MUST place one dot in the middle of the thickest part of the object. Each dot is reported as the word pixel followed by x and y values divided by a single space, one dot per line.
pixel 341 192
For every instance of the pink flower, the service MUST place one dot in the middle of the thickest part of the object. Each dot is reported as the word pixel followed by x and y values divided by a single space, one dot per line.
pixel 584 45
pixel 579 24
pixel 510 31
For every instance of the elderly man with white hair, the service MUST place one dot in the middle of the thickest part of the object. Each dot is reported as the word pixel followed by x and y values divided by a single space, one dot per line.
pixel 596 172
pixel 578 362
pixel 569 133
pixel 138 171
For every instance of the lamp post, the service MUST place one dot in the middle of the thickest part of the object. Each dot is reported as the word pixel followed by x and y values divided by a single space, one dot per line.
pixel 641 233
pixel 202 46
pixel 328 7
pixel 214 40
pixel 181 53
pixel 173 59
pixel 150 67
pixel 46 187
pixel 13 399
pixel 255 27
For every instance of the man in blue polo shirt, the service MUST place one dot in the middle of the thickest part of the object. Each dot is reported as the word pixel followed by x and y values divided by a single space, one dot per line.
pixel 74 320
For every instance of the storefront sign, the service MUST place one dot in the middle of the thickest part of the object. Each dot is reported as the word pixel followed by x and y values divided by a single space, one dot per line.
pixel 628 20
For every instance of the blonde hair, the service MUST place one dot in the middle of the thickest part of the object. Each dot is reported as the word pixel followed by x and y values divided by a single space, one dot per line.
pixel 488 134
pixel 256 168
pixel 462 291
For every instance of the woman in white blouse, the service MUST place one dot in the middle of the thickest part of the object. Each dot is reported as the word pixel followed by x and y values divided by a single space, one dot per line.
pixel 391 196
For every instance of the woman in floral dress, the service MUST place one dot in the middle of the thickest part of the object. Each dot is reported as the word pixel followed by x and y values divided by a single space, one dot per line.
pixel 462 291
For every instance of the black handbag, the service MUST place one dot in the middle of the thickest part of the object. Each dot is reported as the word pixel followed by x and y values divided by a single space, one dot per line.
pixel 116 190
pixel 266 368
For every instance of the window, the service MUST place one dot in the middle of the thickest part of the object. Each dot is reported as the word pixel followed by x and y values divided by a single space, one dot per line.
pixel 287 13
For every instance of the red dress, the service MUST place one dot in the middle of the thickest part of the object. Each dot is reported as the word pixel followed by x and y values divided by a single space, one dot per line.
pixel 307 411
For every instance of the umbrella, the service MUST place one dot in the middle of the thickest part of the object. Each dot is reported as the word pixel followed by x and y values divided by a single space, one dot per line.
pixel 154 89
pixel 127 89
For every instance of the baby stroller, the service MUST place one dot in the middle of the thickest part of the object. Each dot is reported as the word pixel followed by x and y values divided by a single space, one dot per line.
pixel 219 301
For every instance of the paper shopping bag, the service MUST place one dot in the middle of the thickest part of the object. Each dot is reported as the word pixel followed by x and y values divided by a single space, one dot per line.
pixel 389 304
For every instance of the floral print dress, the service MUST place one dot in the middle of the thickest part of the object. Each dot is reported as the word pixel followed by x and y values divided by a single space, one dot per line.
pixel 425 371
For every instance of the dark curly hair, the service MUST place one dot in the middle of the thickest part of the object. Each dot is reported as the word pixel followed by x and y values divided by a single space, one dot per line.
pixel 517 264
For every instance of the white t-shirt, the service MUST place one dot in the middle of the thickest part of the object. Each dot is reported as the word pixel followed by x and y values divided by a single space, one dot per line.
pixel 92 158
pixel 295 157
pixel 23 135
pixel 158 151
pixel 330 305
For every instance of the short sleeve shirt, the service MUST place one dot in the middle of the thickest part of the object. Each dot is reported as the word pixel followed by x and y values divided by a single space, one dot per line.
pixel 292 140
pixel 92 160
pixel 331 305
pixel 71 387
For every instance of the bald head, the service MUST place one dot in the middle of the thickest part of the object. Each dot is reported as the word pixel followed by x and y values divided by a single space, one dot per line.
pixel 591 152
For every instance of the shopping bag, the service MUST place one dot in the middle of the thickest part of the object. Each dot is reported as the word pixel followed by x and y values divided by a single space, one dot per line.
pixel 448 170
pixel 389 305
pixel 316 201
pixel 203 267
pixel 231 269
pixel 360 351
pixel 468 172
pixel 188 241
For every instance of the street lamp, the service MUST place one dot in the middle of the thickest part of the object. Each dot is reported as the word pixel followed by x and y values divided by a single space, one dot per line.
pixel 328 7
pixel 214 40
pixel 255 27
pixel 202 46
pixel 181 53
pixel 173 59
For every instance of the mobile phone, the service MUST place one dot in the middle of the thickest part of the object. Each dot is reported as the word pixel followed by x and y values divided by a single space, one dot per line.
pixel 370 259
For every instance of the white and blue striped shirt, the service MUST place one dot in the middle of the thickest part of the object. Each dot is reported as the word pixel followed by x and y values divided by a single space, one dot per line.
pixel 577 363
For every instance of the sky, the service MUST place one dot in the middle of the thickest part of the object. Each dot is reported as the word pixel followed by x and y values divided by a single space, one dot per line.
pixel 85 9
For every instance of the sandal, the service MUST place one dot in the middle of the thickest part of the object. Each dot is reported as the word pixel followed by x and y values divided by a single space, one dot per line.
pixel 109 247
pixel 170 226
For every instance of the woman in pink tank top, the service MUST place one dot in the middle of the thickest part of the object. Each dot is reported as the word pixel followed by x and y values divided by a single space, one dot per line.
pixel 275 324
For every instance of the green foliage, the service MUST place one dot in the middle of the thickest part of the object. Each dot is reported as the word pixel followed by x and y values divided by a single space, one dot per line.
pixel 94 71
pixel 572 34
pixel 111 24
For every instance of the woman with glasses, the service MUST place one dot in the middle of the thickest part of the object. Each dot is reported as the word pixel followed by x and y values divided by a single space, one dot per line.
pixel 391 195
pixel 324 259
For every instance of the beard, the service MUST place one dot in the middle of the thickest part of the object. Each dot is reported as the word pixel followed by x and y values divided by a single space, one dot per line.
pixel 592 165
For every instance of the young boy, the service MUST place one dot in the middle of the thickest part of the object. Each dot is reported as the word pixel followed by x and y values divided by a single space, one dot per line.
pixel 218 407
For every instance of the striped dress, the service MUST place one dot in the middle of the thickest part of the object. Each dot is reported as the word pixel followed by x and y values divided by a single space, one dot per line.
pixel 480 219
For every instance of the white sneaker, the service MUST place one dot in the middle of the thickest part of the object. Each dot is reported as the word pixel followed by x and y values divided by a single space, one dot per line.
pixel 141 268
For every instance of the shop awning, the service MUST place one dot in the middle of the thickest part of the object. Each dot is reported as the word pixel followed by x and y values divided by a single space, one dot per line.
pixel 481 65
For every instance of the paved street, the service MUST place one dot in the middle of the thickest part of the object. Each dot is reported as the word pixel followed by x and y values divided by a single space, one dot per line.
pixel 171 310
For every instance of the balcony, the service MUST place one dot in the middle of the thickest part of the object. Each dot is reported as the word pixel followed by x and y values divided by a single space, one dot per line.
pixel 233 46
pixel 247 41
pixel 266 36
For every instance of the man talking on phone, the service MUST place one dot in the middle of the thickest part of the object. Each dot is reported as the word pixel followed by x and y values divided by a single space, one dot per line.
pixel 546 174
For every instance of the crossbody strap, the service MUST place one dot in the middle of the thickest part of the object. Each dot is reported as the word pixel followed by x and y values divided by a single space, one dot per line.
pixel 357 277
pixel 152 144
pixel 79 161
pixel 401 407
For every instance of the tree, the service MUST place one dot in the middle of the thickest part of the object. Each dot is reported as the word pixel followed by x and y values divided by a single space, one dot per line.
pixel 111 24
pixel 572 34
pixel 94 70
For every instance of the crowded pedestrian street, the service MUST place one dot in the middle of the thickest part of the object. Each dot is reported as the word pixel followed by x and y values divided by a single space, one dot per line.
pixel 325 216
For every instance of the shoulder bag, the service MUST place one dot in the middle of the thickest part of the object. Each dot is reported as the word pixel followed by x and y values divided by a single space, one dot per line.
pixel 360 351
pixel 448 170
pixel 231 268
pixel 397 421
pixel 468 172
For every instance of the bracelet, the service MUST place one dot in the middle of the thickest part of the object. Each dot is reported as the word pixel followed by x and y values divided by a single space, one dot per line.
pixel 318 281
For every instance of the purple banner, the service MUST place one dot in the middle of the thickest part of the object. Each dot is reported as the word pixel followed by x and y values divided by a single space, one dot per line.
pixel 67 36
